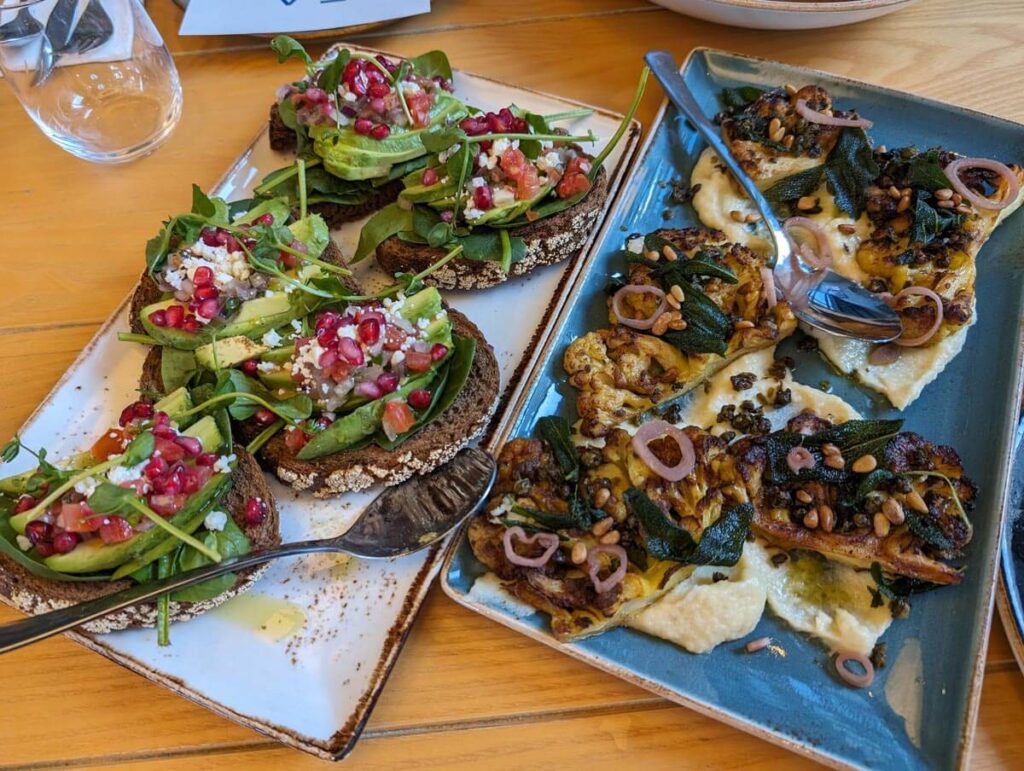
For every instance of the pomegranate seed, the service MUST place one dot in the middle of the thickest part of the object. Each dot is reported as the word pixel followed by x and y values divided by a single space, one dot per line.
pixel 127 416
pixel 264 416
pixel 255 511
pixel 389 65
pixel 142 409
pixel 208 309
pixel 209 237
pixel 231 244
pixel 175 315
pixel 24 503
pixel 438 351
pixel 429 177
pixel 363 126
pixel 38 531
pixel 327 358
pixel 206 459
pixel 164 432
pixel 446 216
pixel 369 331
pixel 169 484
pixel 388 382
pixel 206 293
pixel 496 124
pixel 380 131
pixel 377 105
pixel 317 95
pixel 250 367
pixel 327 338
pixel 482 197
pixel 161 419
pixel 203 276
pixel 378 91
pixel 190 325
pixel 350 351
pixel 265 219
pixel 65 542
pixel 190 444
pixel 327 320
pixel 419 399
pixel 288 260
pixel 156 467
pixel 158 318
pixel 45 549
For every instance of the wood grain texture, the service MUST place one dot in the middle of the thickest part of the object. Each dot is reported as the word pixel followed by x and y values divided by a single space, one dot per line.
pixel 466 693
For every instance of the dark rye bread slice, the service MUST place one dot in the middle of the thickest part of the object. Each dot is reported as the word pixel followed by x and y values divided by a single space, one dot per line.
pixel 335 215
pixel 33 595
pixel 549 240
pixel 434 446
pixel 147 292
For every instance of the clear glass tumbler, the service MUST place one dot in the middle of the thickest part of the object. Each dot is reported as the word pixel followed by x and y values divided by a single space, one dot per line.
pixel 94 75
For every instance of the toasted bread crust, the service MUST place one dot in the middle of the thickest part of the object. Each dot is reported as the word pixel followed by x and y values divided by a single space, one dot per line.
pixel 335 215
pixel 435 445
pixel 548 241
pixel 33 595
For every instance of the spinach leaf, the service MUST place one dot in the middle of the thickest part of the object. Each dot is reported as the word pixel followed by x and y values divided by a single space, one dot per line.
pixel 555 430
pixel 330 76
pixel 721 543
pixel 387 222
pixel 296 408
pixel 486 245
pixel 202 204
pixel 850 169
pixel 229 542
pixel 432 64
pixel 108 498
pixel 439 138
pixel 177 368
pixel 287 47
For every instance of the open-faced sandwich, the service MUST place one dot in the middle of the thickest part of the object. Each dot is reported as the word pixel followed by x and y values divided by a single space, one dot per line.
pixel 164 491
pixel 358 122
pixel 902 222
pixel 689 303
pixel 514 191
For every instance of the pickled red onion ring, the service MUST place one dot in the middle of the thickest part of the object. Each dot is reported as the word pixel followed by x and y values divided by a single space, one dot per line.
pixel 548 540
pixel 656 429
pixel 813 116
pixel 768 280
pixel 921 339
pixel 857 681
pixel 819 258
pixel 952 171
pixel 638 289
pixel 614 579
pixel 800 458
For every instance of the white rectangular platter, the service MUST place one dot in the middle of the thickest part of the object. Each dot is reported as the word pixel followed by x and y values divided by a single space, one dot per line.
pixel 324 630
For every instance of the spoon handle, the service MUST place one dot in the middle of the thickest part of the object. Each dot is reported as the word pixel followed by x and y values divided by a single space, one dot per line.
pixel 663 66
pixel 21 633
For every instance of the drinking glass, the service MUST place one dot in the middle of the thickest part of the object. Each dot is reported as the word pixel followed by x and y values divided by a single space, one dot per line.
pixel 94 75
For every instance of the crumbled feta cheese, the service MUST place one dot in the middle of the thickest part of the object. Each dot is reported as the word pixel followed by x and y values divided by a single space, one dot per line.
pixel 120 475
pixel 269 293
pixel 635 244
pixel 486 161
pixel 297 326
pixel 397 357
pixel 86 486
pixel 349 97
pixel 272 339
pixel 348 330
pixel 266 366
pixel 473 213
pixel 503 196
pixel 23 543
pixel 444 155
pixel 422 323
pixel 477 182
pixel 500 146
pixel 289 288
pixel 223 463
pixel 216 521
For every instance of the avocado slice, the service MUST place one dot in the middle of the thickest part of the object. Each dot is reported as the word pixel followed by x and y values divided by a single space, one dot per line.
pixel 260 308
pixel 228 352
pixel 175 403
pixel 94 555
pixel 207 432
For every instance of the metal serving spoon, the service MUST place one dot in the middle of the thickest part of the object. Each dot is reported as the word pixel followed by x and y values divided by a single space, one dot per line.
pixel 836 304
pixel 402 520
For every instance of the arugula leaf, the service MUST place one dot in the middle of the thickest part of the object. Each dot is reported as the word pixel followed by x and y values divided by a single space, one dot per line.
pixel 389 221
pixel 287 47
pixel 10 450
pixel 431 64
pixel 721 543
pixel 229 542
pixel 850 169
pixel 555 430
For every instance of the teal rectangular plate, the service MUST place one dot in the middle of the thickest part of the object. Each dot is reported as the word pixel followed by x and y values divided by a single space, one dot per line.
pixel 797 701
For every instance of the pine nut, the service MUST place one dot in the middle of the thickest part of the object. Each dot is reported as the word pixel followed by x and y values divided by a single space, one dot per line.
pixel 803 496
pixel 652 255
pixel 787 141
pixel 737 216
pixel 610 537
pixel 903 205
pixel 944 194
pixel 893 511
pixel 963 209
pixel 894 192
pixel 670 253
pixel 778 135
pixel 677 292
pixel 790 89
pixel 830 449
pixel 660 326
pixel 806 203
pixel 603 526
pixel 601 496
pixel 827 517
pixel 752 218
pixel 677 324
pixel 811 519
pixel 864 464
pixel 881 148
pixel 774 125
pixel 835 461
pixel 847 230
pixel 945 204
pixel 957 198
pixel 881 525
pixel 672 301
pixel 916 502
pixel 579 553
pixel 744 324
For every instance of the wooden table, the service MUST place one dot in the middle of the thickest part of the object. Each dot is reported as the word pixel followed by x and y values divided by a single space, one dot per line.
pixel 466 692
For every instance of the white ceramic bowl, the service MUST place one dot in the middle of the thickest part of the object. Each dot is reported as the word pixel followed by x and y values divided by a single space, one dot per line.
pixel 783 14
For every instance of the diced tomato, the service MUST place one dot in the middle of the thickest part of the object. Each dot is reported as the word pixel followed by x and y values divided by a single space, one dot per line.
pixel 296 440
pixel 394 336
pixel 112 442
pixel 78 518
pixel 115 529
pixel 578 163
pixel 529 183
pixel 398 418
pixel 169 450
pixel 194 477
pixel 418 362
pixel 166 504
pixel 513 163
pixel 572 184
pixel 419 107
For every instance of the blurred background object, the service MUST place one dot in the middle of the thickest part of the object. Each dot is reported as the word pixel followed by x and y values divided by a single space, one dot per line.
pixel 785 14
pixel 94 75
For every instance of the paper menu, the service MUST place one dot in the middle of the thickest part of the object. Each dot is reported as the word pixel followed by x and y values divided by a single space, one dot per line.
pixel 247 17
